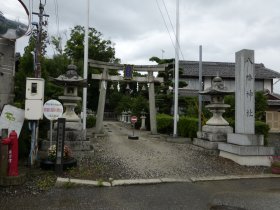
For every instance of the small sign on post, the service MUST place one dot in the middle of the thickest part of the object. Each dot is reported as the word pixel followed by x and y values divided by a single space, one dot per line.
pixel 60 145
pixel 133 120
pixel 53 109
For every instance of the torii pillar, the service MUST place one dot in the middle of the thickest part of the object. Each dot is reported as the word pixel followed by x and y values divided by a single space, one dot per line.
pixel 104 77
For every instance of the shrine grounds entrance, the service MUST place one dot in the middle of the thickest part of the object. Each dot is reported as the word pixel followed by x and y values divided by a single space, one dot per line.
pixel 104 77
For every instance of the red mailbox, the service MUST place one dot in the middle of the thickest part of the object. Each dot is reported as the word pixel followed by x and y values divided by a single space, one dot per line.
pixel 12 142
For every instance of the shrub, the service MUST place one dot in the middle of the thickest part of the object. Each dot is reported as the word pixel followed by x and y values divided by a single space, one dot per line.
pixel 164 123
pixel 91 121
pixel 187 127
pixel 262 128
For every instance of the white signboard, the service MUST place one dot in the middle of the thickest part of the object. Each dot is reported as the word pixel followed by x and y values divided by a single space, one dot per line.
pixel 12 118
pixel 53 109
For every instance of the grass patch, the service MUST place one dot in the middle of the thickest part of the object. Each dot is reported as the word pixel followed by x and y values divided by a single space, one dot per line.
pixel 46 181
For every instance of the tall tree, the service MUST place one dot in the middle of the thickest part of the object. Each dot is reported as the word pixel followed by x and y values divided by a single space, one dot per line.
pixel 99 49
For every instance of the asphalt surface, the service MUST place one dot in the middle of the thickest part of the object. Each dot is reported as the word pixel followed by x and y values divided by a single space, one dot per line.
pixel 255 194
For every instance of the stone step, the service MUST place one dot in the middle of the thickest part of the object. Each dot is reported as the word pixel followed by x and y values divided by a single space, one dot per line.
pixel 205 144
pixel 212 136
pixel 245 139
pixel 246 150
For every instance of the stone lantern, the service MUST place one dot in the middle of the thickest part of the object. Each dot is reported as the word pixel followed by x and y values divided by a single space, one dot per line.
pixel 71 81
pixel 216 128
pixel 75 136
pixel 143 120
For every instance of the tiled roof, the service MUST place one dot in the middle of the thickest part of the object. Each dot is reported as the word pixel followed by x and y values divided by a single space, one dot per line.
pixel 223 69
pixel 273 102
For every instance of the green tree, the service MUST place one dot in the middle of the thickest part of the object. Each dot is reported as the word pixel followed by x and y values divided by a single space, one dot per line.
pixel 98 48
pixel 260 106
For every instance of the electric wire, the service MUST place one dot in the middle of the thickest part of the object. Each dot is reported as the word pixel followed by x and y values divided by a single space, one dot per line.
pixel 172 27
pixel 165 23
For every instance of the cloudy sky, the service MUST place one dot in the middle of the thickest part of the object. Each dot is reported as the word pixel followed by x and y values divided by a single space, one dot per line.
pixel 138 30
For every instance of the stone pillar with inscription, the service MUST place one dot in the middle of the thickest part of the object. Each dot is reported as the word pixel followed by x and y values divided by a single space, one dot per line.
pixel 244 146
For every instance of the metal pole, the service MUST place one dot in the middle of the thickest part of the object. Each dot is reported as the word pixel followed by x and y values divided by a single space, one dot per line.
pixel 51 132
pixel 176 71
pixel 37 73
pixel 133 129
pixel 85 69
pixel 200 89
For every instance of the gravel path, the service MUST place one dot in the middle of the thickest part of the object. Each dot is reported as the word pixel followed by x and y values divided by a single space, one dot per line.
pixel 117 157
pixel 155 158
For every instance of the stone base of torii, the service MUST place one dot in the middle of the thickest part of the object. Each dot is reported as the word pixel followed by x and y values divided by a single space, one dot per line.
pixel 104 77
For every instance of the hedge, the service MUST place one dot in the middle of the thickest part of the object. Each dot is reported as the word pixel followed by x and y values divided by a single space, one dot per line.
pixel 91 120
pixel 188 127
pixel 262 128
pixel 164 123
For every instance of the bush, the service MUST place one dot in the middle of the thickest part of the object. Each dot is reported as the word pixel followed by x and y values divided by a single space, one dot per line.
pixel 91 121
pixel 262 128
pixel 164 123
pixel 187 127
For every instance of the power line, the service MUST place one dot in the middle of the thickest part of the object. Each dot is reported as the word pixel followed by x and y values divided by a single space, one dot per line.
pixel 172 27
pixel 165 24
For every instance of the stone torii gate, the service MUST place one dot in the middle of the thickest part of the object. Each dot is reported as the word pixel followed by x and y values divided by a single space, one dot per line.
pixel 104 77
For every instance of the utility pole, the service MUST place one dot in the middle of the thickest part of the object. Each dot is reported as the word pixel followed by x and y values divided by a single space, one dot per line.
pixel 176 81
pixel 34 124
pixel 38 48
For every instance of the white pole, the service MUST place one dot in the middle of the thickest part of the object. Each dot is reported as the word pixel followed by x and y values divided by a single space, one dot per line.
pixel 85 69
pixel 200 89
pixel 176 71
pixel 51 132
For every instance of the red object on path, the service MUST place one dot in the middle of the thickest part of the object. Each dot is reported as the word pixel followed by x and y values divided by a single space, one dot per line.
pixel 12 142
pixel 133 119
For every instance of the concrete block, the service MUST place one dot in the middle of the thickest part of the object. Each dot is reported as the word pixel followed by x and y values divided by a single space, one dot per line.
pixel 212 136
pixel 245 139
pixel 205 144
pixel 179 140
pixel 12 180
pixel 246 150
pixel 217 129
pixel 247 160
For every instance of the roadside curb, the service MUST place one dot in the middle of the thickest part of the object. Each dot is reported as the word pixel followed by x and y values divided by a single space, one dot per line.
pixel 64 181
pixel 233 177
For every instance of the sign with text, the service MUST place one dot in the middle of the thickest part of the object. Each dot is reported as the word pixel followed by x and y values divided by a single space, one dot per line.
pixel 53 109
pixel 245 92
pixel 128 72
pixel 133 119
pixel 12 118
pixel 60 144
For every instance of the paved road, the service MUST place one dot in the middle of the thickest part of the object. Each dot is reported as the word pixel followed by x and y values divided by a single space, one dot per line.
pixel 257 194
